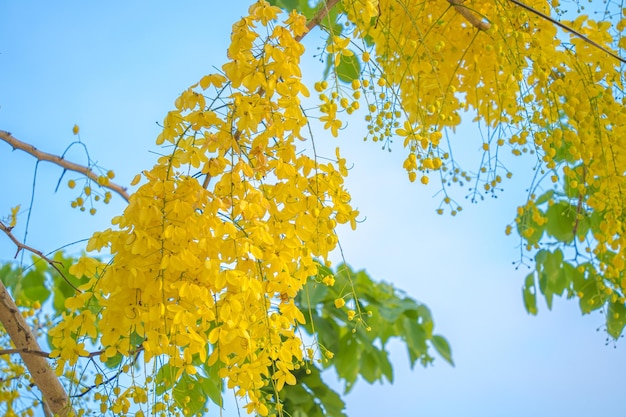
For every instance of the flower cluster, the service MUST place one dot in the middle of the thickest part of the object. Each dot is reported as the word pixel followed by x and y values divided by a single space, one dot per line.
pixel 561 102
pixel 223 232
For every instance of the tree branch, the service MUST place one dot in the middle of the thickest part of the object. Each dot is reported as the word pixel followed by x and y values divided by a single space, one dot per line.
pixel 319 16
pixel 468 15
pixel 567 28
pixel 54 395
pixel 21 246
pixel 24 351
pixel 70 166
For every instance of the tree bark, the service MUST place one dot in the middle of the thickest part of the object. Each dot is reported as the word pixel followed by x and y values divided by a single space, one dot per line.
pixel 54 396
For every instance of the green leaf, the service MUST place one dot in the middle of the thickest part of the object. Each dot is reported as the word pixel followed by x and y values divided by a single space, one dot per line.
pixel 563 153
pixel 526 224
pixel 327 331
pixel 393 310
pixel 331 401
pixel 385 365
pixel 615 319
pixel 312 295
pixel 213 385
pixel 529 292
pixel 370 366
pixel 114 361
pixel 296 394
pixel 287 5
pixel 164 379
pixel 552 280
pixel 332 21
pixel 34 288
pixel 330 63
pixel 561 220
pixel 302 6
pixel 311 396
pixel 415 337
pixel 544 197
pixel 189 395
pixel 442 347
pixel 347 360
pixel 10 276
pixel 425 319
pixel 586 287
pixel 61 283
pixel 349 68
pixel 553 273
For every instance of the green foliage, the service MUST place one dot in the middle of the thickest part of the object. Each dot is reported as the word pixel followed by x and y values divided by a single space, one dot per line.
pixel 39 281
pixel 529 292
pixel 358 343
pixel 64 286
pixel 189 394
pixel 561 220
pixel 380 313
pixel 301 6
pixel 567 224
pixel 26 284
pixel 553 275
pixel 349 68
pixel 616 319
pixel 311 397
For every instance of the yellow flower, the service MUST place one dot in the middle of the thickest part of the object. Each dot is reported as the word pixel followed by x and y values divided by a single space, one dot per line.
pixel 14 211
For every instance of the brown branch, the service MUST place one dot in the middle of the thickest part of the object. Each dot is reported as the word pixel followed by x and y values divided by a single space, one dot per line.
pixel 567 28
pixel 136 352
pixel 24 351
pixel 54 395
pixel 21 246
pixel 468 15
pixel 322 12
pixel 70 166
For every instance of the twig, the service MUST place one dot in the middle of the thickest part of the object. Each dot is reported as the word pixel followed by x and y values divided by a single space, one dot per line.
pixel 137 352
pixel 24 351
pixel 21 246
pixel 319 16
pixel 68 165
pixel 468 15
pixel 567 28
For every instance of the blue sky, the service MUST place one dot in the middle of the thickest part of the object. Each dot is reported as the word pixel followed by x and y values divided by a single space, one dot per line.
pixel 115 69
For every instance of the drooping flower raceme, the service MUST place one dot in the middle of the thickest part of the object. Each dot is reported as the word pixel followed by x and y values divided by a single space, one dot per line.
pixel 223 232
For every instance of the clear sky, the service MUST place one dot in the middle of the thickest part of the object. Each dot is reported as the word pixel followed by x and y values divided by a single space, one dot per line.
pixel 115 69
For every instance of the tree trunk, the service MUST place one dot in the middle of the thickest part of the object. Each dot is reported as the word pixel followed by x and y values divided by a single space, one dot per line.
pixel 54 396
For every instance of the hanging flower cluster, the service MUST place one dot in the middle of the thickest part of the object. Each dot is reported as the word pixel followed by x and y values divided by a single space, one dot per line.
pixel 535 87
pixel 223 233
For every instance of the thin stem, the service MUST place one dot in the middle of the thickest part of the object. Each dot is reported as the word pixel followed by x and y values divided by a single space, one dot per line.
pixel 21 246
pixel 68 165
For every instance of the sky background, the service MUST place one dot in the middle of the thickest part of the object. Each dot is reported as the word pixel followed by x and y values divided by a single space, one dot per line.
pixel 115 69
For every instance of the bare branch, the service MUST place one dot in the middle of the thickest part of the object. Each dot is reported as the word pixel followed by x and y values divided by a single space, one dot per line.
pixel 24 351
pixel 70 166
pixel 567 28
pixel 87 389
pixel 21 246
pixel 319 16
pixel 468 15
pixel 54 395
